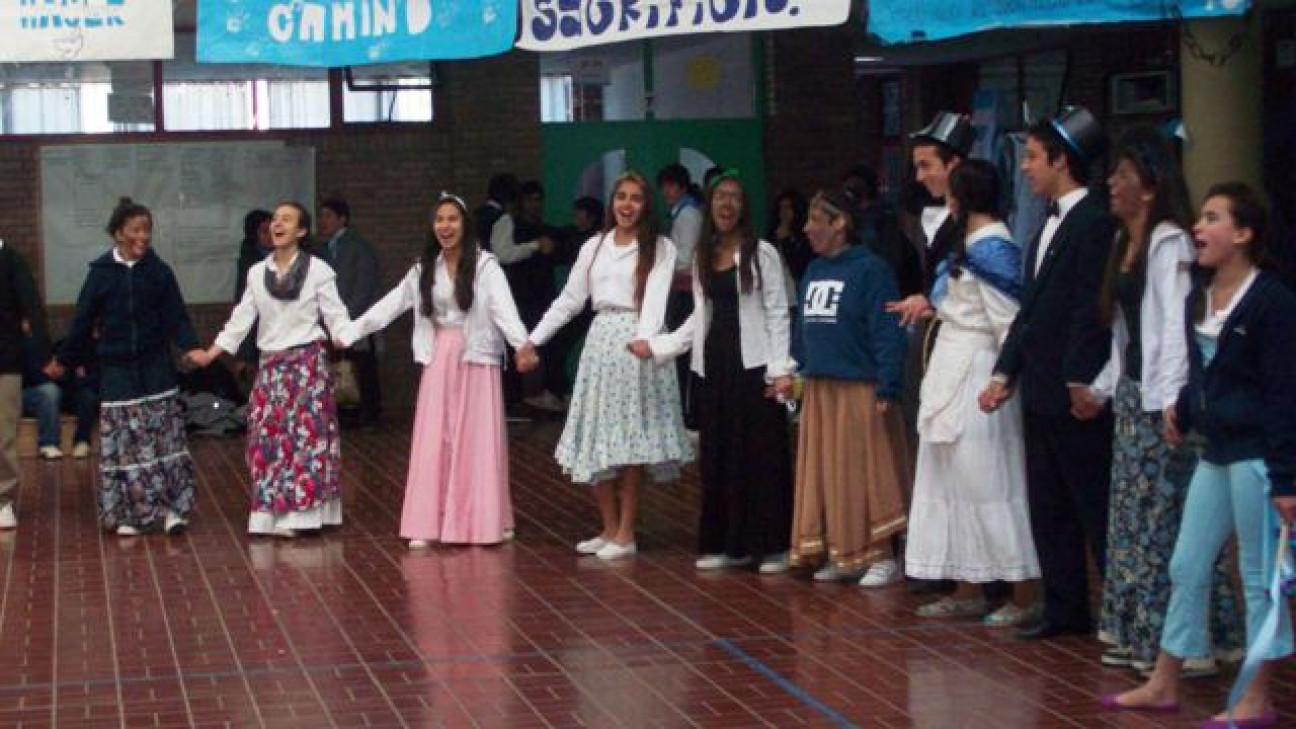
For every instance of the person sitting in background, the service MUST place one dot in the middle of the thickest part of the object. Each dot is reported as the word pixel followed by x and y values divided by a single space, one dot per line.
pixel 40 400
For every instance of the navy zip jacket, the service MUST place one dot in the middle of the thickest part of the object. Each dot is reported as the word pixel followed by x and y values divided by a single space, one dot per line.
pixel 19 301
pixel 138 311
pixel 1244 402
pixel 843 330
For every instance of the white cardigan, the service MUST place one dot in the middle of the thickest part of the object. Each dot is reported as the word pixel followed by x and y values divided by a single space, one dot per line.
pixel 1163 340
pixel 762 322
pixel 492 319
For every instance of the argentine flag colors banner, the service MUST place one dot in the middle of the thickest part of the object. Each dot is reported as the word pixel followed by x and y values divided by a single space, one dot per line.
pixel 908 21
pixel 559 25
pixel 84 30
pixel 352 32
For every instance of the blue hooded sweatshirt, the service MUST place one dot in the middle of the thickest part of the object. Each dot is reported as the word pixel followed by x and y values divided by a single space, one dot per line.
pixel 843 330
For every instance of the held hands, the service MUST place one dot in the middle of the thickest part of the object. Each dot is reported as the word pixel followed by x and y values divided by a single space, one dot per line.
pixel 1172 435
pixel 640 349
pixel 526 358
pixel 994 396
pixel 882 407
pixel 201 357
pixel 1084 406
pixel 911 309
pixel 545 245
pixel 780 389
pixel 1286 508
pixel 53 369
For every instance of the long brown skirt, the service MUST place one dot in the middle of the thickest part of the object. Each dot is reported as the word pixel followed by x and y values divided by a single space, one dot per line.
pixel 851 476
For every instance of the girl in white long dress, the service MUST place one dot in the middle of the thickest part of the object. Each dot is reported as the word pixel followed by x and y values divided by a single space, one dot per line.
pixel 969 518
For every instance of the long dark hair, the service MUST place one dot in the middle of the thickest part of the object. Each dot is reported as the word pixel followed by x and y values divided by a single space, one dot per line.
pixel 1149 153
pixel 465 273
pixel 975 184
pixel 125 210
pixel 838 204
pixel 709 242
pixel 1249 211
pixel 645 229
pixel 798 202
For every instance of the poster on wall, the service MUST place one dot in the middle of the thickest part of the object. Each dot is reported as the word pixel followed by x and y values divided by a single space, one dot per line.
pixel 560 25
pixel 905 21
pixel 352 32
pixel 198 192
pixel 85 30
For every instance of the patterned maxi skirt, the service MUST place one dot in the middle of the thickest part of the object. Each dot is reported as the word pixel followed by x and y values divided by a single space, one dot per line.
pixel 624 411
pixel 1149 481
pixel 293 448
pixel 144 464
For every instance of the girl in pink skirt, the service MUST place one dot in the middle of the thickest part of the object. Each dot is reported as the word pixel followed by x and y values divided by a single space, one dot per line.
pixel 457 491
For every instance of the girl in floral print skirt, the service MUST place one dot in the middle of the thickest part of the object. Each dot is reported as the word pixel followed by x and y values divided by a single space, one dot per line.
pixel 293 447
pixel 625 416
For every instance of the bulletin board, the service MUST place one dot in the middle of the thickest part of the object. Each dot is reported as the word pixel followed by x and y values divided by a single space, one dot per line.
pixel 198 192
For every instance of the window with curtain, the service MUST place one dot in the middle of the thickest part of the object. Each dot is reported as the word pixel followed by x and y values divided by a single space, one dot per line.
pixel 75 98
pixel 388 92
pixel 211 97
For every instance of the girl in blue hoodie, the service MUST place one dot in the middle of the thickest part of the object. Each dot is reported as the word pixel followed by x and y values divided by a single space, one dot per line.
pixel 851 465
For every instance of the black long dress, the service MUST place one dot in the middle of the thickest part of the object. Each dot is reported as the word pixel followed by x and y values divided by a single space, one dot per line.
pixel 746 462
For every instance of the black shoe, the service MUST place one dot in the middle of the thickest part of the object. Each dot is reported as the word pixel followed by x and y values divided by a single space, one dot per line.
pixel 1046 629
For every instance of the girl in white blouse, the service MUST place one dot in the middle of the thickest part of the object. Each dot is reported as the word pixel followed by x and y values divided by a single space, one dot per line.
pixel 625 413
pixel 293 450
pixel 457 490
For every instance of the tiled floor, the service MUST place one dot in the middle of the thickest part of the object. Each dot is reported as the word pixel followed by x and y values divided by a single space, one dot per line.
pixel 350 629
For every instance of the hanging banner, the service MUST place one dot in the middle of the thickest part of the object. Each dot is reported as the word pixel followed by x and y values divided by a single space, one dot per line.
pixel 560 25
pixel 906 21
pixel 85 30
pixel 352 32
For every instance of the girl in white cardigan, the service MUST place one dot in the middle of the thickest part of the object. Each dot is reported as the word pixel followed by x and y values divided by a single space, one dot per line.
pixel 457 491
pixel 625 417
pixel 738 334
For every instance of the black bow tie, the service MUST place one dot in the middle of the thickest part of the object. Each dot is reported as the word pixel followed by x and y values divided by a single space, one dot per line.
pixel 1053 210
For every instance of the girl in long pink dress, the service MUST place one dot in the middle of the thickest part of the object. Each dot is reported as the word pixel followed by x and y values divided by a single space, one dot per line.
pixel 457 491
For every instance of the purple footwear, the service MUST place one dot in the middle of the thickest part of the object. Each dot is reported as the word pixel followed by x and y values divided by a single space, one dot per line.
pixel 1267 719
pixel 1110 704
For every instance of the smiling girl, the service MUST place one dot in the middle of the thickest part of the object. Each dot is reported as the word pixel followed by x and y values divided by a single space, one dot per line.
pixel 131 299
pixel 293 446
pixel 457 491
pixel 625 417
pixel 1241 399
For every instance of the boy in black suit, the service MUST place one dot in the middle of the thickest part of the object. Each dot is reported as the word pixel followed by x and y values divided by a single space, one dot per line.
pixel 1056 347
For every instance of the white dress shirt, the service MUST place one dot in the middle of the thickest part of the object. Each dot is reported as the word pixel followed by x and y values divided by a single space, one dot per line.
pixel 504 247
pixel 686 228
pixel 932 218
pixel 604 273
pixel 1053 222
pixel 286 324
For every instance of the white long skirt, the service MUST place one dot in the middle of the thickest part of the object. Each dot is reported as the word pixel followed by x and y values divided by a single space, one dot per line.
pixel 969 519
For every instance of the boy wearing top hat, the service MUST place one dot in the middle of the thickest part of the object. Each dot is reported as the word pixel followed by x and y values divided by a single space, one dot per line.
pixel 1054 350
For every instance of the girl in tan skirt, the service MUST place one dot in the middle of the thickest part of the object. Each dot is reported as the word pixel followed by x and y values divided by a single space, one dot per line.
pixel 851 473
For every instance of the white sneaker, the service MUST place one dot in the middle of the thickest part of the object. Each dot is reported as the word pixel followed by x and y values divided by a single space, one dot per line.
pixel 612 550
pixel 828 573
pixel 50 453
pixel 591 546
pixel 775 564
pixel 546 401
pixel 176 524
pixel 709 562
pixel 126 530
pixel 509 535
pixel 417 544
pixel 881 574
pixel 285 533
pixel 81 450
pixel 8 520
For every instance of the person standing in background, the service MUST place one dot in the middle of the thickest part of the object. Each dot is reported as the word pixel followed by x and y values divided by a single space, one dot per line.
pixel 254 247
pixel 684 213
pixel 359 276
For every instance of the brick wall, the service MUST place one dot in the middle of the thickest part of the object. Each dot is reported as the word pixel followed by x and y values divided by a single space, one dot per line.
pixel 486 114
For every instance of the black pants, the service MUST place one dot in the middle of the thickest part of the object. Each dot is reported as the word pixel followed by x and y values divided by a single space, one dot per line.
pixel 366 370
pixel 679 305
pixel 1068 482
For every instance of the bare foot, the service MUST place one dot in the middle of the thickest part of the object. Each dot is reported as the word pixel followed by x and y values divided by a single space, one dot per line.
pixel 1146 696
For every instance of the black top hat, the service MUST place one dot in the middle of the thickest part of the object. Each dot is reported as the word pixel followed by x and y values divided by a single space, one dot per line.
pixel 1080 132
pixel 949 129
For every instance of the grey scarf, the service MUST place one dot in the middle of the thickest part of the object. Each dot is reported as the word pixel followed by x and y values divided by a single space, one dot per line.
pixel 289 287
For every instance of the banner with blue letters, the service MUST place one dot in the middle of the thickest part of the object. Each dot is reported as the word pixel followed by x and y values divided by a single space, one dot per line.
pixel 559 25
pixel 352 32
pixel 907 21
pixel 85 30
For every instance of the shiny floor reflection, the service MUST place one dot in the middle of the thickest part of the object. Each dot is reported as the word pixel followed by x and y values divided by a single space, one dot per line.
pixel 350 629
